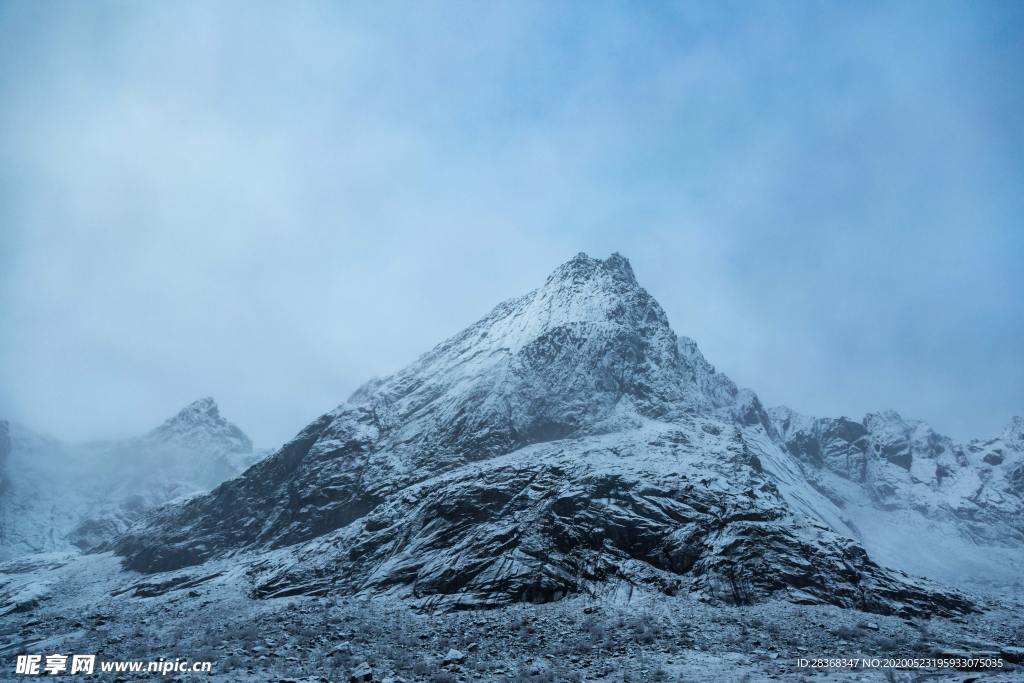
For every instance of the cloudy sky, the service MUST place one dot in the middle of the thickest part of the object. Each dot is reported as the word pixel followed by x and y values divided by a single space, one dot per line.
pixel 270 203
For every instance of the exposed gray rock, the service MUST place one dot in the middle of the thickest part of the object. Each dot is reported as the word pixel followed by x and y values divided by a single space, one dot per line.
pixel 903 464
pixel 361 673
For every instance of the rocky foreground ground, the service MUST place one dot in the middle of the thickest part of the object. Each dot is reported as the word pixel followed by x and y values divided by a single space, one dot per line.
pixel 615 637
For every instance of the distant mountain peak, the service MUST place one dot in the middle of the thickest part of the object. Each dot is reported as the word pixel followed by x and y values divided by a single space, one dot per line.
pixel 1014 432
pixel 200 425
pixel 204 407
pixel 888 415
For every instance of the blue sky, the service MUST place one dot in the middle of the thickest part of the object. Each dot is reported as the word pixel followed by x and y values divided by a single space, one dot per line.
pixel 272 202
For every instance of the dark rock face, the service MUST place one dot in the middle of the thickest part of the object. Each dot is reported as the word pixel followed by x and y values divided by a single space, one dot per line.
pixel 844 448
pixel 1016 481
pixel 639 510
pixel 95 531
pixel 567 442
pixel 852 449
pixel 309 487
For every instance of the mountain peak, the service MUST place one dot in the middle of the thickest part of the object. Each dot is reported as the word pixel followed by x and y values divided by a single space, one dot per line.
pixel 887 418
pixel 587 347
pixel 586 291
pixel 204 407
pixel 582 267
pixel 1014 432
pixel 201 424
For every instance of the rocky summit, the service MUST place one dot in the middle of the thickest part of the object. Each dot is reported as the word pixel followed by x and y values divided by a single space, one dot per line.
pixel 566 443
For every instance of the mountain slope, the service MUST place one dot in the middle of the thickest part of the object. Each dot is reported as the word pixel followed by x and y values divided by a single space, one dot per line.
pixel 568 441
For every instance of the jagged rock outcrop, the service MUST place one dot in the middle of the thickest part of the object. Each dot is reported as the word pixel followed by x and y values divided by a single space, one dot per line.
pixel 1005 456
pixel 566 442
pixel 901 464
pixel 61 497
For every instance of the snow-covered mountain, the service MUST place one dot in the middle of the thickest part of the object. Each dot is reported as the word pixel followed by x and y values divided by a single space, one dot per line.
pixel 569 449
pixel 567 442
pixel 56 496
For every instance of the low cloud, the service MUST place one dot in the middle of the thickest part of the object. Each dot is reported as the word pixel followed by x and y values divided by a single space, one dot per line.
pixel 272 205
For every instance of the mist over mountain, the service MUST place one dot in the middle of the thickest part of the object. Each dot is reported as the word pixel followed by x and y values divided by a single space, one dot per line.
pixel 57 496
pixel 782 441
